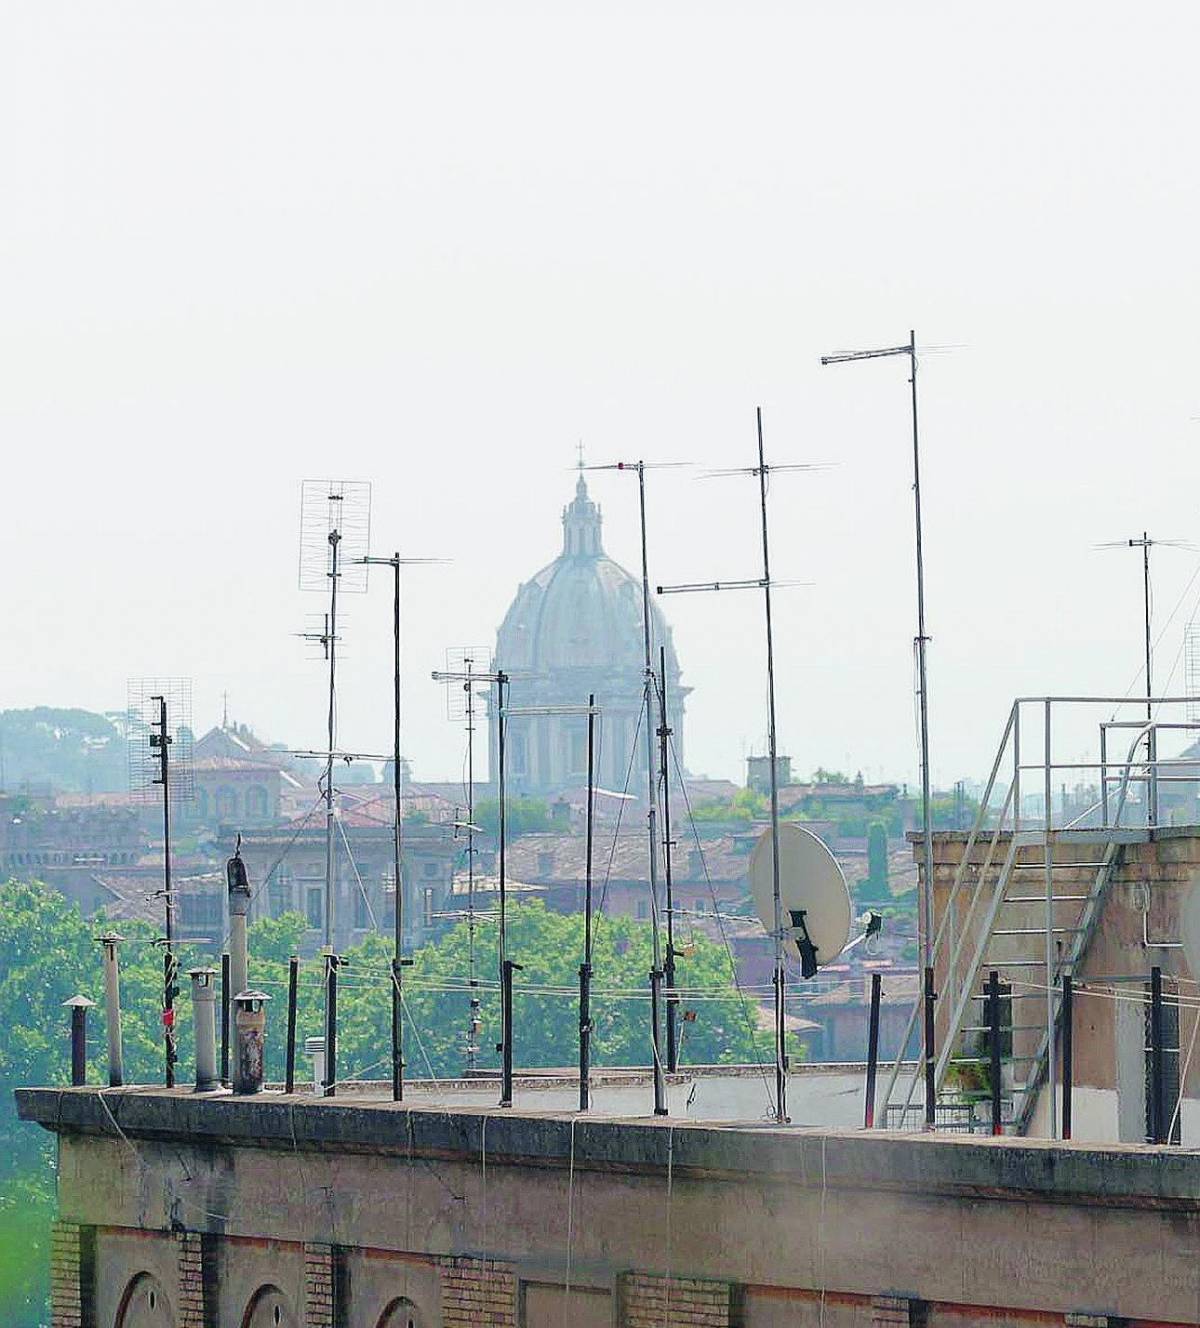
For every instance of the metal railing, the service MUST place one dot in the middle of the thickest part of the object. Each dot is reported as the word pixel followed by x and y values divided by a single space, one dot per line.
pixel 1006 823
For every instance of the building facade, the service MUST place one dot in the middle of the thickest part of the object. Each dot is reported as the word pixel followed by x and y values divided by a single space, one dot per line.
pixel 575 629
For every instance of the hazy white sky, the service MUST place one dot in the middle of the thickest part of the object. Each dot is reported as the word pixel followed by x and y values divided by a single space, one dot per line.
pixel 434 245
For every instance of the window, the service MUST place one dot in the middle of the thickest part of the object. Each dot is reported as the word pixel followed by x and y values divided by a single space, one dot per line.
pixel 545 863
pixel 227 802
pixel 427 907
pixel 362 914
pixel 643 910
pixel 313 907
pixel 200 910
pixel 256 802
pixel 577 748
pixel 430 869
pixel 278 897
pixel 515 754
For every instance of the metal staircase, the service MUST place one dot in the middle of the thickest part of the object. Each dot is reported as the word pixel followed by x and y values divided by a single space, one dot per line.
pixel 1024 902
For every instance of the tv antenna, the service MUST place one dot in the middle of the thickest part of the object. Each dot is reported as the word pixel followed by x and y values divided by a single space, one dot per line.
pixel 1145 543
pixel 395 562
pixel 467 664
pixel 466 668
pixel 159 719
pixel 335 536
pixel 659 972
pixel 764 583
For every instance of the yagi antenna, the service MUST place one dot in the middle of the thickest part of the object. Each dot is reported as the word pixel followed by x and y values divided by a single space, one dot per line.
pixel 158 727
pixel 463 663
pixel 335 538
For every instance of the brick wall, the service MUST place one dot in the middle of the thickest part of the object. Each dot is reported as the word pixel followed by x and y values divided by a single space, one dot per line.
pixel 890 1311
pixel 318 1286
pixel 195 1291
pixel 478 1292
pixel 70 1276
pixel 675 1302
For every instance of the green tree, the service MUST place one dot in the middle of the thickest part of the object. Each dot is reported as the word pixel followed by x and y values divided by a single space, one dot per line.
pixel 875 884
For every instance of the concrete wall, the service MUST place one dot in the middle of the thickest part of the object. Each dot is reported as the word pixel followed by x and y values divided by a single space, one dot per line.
pixel 366 1214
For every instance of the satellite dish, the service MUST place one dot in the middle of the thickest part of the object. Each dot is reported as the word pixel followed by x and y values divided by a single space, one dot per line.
pixel 1189 925
pixel 812 891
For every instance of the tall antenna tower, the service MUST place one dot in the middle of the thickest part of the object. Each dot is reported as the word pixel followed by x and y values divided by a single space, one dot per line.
pixel 335 539
pixel 463 663
pixel 159 742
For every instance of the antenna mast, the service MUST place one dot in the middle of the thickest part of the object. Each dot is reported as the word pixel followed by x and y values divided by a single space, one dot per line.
pixel 764 583
pixel 335 532
pixel 152 702
pixel 460 677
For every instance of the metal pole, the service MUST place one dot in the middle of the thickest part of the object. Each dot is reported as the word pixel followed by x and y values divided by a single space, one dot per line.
pixel 289 1082
pixel 1146 603
pixel 926 901
pixel 930 1053
pixel 1068 1058
pixel 473 1019
pixel 398 850
pixel 1157 1114
pixel 225 995
pixel 660 1091
pixel 664 734
pixel 872 1052
pixel 1047 812
pixel 585 969
pixel 331 968
pixel 780 973
pixel 993 1008
pixel 204 1027
pixel 505 1005
pixel 506 998
pixel 334 540
pixel 169 966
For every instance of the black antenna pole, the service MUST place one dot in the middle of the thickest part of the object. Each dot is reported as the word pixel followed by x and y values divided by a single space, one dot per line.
pixel 505 974
pixel 161 742
pixel 656 975
pixel 398 850
pixel 585 969
pixel 473 1022
pixel 331 645
pixel 664 734
pixel 780 972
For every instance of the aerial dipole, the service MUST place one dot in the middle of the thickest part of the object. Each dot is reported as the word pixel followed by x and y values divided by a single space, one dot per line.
pixel 764 583
pixel 465 667
pixel 395 562
pixel 922 639
pixel 648 691
pixel 335 534
pixel 154 706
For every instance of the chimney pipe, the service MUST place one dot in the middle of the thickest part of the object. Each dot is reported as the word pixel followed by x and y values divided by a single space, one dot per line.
pixel 112 1008
pixel 204 1017
pixel 79 1006
pixel 250 1020
pixel 239 907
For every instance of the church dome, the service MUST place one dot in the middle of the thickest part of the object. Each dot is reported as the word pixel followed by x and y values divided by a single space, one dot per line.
pixel 583 610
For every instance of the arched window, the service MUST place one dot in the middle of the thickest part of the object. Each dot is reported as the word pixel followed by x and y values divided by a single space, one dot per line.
pixel 269 1308
pixel 227 802
pixel 256 802
pixel 401 1313
pixel 145 1305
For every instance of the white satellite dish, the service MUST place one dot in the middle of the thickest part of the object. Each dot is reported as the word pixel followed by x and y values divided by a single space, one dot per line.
pixel 812 890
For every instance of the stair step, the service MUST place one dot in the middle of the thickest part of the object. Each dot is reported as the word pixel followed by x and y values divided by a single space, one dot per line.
pixel 1038 931
pixel 1041 899
pixel 1041 866
pixel 987 1060
pixel 1004 1028
pixel 1015 963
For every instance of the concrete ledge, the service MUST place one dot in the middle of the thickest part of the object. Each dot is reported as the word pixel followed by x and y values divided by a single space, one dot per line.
pixel 1123 1176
